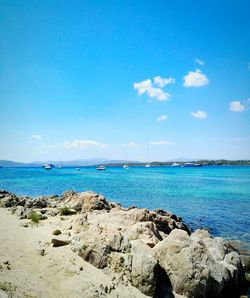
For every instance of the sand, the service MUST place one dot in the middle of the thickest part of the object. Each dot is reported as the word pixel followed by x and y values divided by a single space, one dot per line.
pixel 31 267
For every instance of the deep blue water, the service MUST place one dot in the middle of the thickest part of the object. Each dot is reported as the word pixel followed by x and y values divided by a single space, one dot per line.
pixel 213 197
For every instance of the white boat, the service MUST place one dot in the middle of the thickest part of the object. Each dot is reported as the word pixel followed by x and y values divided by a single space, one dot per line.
pixel 101 168
pixel 148 164
pixel 126 167
pixel 48 166
pixel 175 164
pixel 192 165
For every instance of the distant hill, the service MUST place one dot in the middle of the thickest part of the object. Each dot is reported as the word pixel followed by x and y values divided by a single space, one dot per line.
pixel 10 163
pixel 88 162
pixel 98 161
pixel 71 163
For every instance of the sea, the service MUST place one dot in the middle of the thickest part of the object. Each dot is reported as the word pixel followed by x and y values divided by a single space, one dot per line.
pixel 213 197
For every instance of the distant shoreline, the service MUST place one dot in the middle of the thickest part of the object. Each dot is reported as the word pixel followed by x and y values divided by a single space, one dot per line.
pixel 68 164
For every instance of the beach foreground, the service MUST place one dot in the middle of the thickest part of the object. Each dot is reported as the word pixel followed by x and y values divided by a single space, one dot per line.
pixel 80 244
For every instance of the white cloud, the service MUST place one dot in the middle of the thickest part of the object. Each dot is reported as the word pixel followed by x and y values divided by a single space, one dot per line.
pixel 143 86
pixel 161 143
pixel 36 137
pixel 199 114
pixel 199 61
pixel 74 144
pixel 195 79
pixel 158 93
pixel 78 144
pixel 162 82
pixel 236 106
pixel 152 92
pixel 131 144
pixel 161 118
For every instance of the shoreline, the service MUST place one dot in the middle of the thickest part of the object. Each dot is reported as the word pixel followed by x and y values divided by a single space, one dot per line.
pixel 205 197
pixel 120 163
pixel 110 251
pixel 241 246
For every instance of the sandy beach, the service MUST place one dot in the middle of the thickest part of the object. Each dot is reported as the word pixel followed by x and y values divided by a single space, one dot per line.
pixel 81 245
pixel 57 273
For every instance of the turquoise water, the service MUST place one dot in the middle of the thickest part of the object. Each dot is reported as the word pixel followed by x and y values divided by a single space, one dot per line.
pixel 214 197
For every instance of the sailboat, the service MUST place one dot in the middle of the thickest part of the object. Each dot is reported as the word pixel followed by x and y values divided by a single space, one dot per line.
pixel 148 164
pixel 125 166
pixel 60 165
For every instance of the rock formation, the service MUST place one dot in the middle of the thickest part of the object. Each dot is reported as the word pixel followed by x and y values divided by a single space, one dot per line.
pixel 152 250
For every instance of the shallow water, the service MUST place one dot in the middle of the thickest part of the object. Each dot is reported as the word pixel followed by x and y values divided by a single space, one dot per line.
pixel 214 197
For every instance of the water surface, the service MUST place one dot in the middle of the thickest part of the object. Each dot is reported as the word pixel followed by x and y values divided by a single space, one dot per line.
pixel 212 197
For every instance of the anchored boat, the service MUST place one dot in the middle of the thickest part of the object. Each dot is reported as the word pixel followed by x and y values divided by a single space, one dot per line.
pixel 192 165
pixel 101 168
pixel 48 166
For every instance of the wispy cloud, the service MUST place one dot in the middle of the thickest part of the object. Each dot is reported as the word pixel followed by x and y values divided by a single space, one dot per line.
pixel 151 91
pixel 199 114
pixel 78 144
pixel 237 139
pixel 162 82
pixel 161 142
pixel 75 144
pixel 195 79
pixel 36 137
pixel 199 61
pixel 236 106
pixel 131 144
pixel 161 118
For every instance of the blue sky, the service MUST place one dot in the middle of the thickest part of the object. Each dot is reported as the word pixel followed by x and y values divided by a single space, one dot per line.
pixel 116 79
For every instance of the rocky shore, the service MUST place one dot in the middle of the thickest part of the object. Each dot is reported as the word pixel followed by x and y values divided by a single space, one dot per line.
pixel 79 244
